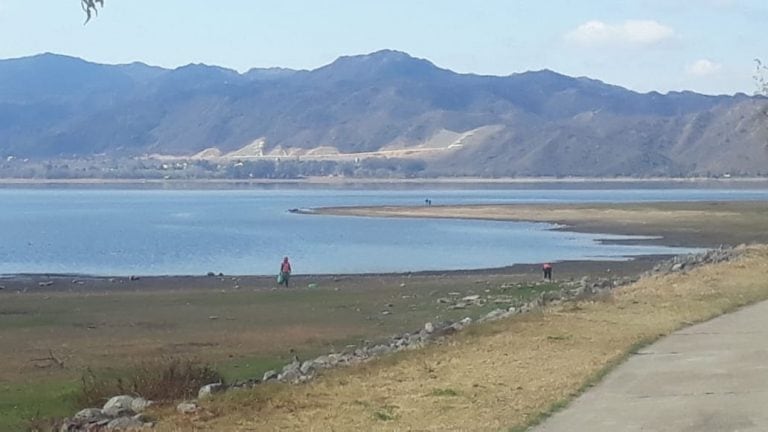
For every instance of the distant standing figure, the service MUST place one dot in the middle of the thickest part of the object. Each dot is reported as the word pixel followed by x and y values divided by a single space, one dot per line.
pixel 285 272
pixel 547 267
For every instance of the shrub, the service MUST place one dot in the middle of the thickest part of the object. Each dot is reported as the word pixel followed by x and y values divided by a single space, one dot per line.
pixel 160 381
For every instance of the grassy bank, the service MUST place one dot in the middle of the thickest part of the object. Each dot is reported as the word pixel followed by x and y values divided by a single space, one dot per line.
pixel 501 376
pixel 241 331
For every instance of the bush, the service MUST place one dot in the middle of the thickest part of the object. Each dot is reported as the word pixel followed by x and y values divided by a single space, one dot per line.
pixel 159 381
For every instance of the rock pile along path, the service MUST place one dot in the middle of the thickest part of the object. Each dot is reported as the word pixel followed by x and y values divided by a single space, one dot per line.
pixel 711 377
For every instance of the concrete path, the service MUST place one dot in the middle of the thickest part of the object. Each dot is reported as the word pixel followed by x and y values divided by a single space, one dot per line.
pixel 712 377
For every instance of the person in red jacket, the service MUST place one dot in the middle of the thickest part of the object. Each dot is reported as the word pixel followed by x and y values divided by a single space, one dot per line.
pixel 285 272
pixel 547 268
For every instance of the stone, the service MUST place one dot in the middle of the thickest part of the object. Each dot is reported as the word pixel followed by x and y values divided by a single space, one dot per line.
pixel 290 375
pixel 379 350
pixel 118 405
pixel 429 327
pixel 293 366
pixel 459 305
pixel 323 361
pixel 678 267
pixel 89 415
pixel 209 390
pixel 269 375
pixel 187 408
pixel 307 367
pixel 125 424
pixel 143 418
pixel 471 298
pixel 140 405
pixel 493 315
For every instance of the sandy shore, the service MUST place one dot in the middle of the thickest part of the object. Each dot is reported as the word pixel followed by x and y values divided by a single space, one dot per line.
pixel 691 224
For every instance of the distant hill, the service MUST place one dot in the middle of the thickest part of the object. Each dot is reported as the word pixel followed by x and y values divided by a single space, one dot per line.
pixel 385 104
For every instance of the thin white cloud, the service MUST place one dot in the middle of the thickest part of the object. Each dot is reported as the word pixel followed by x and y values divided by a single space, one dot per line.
pixel 703 67
pixel 631 32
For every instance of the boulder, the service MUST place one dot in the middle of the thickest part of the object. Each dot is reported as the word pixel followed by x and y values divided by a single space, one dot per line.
pixel 140 405
pixel 125 424
pixel 187 408
pixel 89 415
pixel 290 375
pixel 118 406
pixel 293 366
pixel 208 390
pixel 307 367
pixel 269 375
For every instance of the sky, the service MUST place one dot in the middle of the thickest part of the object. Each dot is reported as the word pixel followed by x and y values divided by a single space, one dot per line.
pixel 708 46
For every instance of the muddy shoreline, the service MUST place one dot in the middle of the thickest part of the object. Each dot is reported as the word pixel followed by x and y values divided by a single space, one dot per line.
pixel 52 283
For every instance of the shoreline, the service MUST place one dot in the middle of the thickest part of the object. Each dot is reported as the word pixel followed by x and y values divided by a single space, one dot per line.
pixel 389 181
pixel 692 224
pixel 571 269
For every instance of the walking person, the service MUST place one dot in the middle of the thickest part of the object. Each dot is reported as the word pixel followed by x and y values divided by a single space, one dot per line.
pixel 285 272
pixel 547 268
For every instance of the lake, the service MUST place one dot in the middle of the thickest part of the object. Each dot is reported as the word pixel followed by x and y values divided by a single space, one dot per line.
pixel 106 231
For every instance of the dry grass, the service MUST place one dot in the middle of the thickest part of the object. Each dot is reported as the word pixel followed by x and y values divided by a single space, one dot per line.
pixel 498 376
pixel 159 380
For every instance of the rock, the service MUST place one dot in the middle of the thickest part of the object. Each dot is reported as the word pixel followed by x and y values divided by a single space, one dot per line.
pixel 45 284
pixel 213 317
pixel 140 405
pixel 293 366
pixel 471 298
pixel 443 300
pixel 269 375
pixel 307 367
pixel 209 390
pixel 493 315
pixel 386 312
pixel 678 267
pixel 380 350
pixel 187 408
pixel 429 328
pixel 460 305
pixel 89 415
pixel 125 424
pixel 133 278
pixel 118 406
pixel 312 286
pixel 143 418
pixel 291 375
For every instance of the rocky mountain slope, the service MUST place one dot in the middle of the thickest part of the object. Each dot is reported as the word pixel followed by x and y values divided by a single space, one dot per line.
pixel 385 104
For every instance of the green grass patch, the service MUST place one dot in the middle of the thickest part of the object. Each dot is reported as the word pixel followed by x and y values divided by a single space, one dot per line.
pixel 444 393
pixel 21 402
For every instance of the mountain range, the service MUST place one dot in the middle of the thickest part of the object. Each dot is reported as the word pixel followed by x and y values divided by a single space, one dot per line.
pixel 384 104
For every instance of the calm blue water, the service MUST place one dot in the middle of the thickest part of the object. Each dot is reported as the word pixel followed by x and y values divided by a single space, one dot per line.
pixel 157 232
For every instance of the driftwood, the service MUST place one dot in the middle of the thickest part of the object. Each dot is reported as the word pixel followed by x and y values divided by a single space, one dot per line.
pixel 51 359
